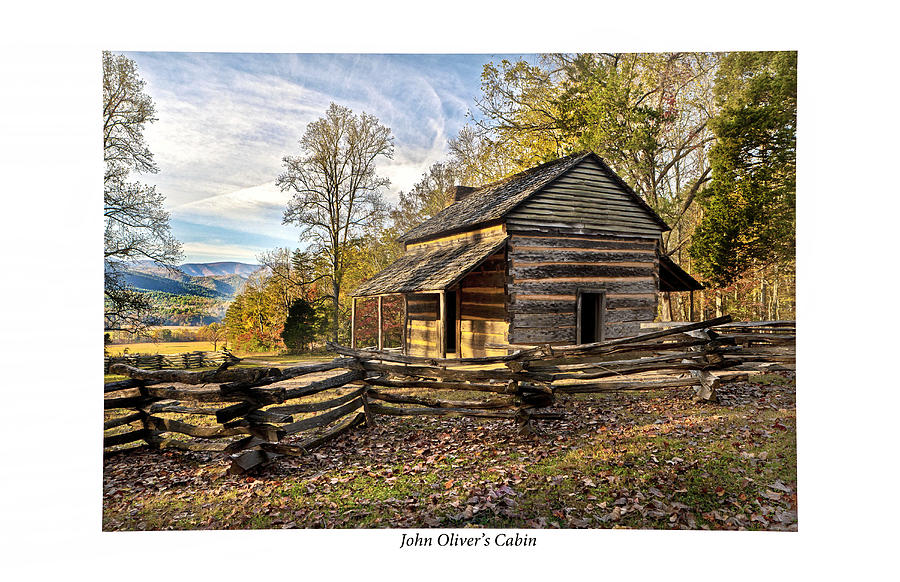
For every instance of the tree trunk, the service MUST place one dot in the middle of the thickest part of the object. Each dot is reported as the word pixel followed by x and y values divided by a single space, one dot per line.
pixel 718 303
pixel 775 294
pixel 336 288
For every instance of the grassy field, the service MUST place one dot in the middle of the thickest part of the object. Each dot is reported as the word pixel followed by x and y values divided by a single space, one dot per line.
pixel 652 460
pixel 165 348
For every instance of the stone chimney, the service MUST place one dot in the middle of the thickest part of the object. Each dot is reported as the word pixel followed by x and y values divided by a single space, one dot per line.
pixel 460 192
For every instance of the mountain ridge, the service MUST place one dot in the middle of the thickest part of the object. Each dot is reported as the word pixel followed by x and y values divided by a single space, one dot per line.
pixel 204 289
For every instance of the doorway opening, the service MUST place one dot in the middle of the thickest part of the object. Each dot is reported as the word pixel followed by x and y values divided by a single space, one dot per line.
pixel 591 316
pixel 450 319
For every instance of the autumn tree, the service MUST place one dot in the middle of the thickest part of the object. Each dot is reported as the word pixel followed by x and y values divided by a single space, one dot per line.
pixel 256 316
pixel 337 191
pixel 136 222
pixel 476 158
pixel 295 273
pixel 214 332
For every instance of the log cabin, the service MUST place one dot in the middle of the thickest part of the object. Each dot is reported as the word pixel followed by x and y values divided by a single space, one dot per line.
pixel 563 253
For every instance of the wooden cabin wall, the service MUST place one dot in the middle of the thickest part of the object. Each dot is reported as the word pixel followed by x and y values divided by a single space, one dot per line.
pixel 422 325
pixel 482 309
pixel 585 199
pixel 546 270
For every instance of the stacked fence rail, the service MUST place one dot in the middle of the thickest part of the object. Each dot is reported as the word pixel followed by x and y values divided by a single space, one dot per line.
pixel 255 415
pixel 184 361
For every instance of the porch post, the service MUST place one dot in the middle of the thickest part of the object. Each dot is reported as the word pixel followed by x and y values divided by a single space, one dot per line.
pixel 404 349
pixel 380 326
pixel 692 306
pixel 353 324
pixel 442 341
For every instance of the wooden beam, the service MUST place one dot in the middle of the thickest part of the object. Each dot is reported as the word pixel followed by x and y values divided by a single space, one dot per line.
pixel 442 325
pixel 403 346
pixel 353 324
pixel 380 324
pixel 457 325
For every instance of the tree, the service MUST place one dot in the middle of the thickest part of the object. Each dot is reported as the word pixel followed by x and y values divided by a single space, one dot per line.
pixel 431 194
pixel 214 332
pixel 749 214
pixel 293 274
pixel 256 316
pixel 337 192
pixel 136 223
pixel 302 325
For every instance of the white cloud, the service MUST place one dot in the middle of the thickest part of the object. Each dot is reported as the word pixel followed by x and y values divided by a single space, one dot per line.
pixel 210 253
pixel 227 134
pixel 256 210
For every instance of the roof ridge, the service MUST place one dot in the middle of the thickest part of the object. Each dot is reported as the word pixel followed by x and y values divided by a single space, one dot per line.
pixel 528 171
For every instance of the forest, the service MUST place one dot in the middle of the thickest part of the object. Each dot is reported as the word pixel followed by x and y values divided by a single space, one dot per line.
pixel 707 139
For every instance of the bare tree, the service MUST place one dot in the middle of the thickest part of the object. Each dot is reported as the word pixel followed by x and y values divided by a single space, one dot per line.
pixel 214 332
pixel 336 189
pixel 136 223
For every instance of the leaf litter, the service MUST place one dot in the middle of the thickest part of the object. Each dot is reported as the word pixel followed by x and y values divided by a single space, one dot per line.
pixel 610 463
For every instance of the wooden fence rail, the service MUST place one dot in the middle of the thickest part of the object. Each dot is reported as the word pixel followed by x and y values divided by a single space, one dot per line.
pixel 255 415
pixel 184 361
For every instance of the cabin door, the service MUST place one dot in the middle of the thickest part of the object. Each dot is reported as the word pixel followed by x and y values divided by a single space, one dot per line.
pixel 591 314
pixel 450 323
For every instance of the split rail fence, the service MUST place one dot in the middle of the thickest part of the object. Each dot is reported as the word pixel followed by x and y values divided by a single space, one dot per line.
pixel 184 361
pixel 257 414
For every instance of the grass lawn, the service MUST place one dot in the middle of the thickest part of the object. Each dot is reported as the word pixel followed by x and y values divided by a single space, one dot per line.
pixel 644 460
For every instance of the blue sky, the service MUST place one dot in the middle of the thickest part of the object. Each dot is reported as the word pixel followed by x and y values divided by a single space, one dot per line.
pixel 227 119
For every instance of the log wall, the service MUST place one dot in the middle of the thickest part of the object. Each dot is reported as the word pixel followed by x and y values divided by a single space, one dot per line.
pixel 422 325
pixel 547 270
pixel 482 309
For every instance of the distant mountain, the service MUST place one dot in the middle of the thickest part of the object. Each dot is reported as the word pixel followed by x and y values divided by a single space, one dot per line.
pixel 204 289
pixel 218 269
pixel 217 280
pixel 217 287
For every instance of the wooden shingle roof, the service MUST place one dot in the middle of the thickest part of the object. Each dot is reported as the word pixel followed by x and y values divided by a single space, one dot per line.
pixel 492 202
pixel 431 267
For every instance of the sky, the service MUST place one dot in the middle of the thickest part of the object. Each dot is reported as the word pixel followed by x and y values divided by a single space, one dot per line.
pixel 226 120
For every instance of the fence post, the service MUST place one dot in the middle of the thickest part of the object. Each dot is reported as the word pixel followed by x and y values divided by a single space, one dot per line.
pixel 709 382
pixel 370 419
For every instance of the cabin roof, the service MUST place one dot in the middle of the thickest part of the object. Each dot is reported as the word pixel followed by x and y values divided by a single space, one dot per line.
pixel 674 278
pixel 431 267
pixel 492 202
